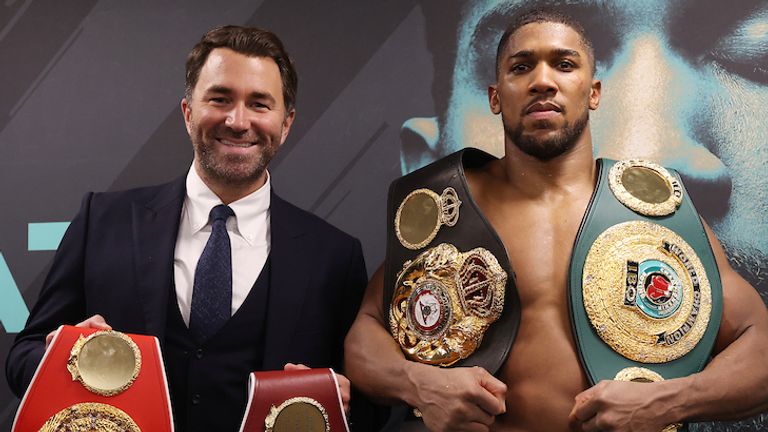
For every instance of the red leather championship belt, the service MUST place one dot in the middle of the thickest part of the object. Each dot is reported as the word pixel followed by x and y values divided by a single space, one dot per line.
pixel 97 380
pixel 294 401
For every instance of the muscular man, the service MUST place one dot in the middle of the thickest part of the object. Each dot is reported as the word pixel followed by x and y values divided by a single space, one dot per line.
pixel 535 198
pixel 134 260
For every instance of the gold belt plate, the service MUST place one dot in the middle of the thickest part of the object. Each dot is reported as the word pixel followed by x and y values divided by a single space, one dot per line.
pixel 421 214
pixel 444 301
pixel 297 414
pixel 645 187
pixel 89 417
pixel 646 292
pixel 106 362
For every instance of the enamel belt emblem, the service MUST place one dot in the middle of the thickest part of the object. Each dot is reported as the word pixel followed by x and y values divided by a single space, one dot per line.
pixel 645 187
pixel 422 212
pixel 90 416
pixel 646 292
pixel 444 301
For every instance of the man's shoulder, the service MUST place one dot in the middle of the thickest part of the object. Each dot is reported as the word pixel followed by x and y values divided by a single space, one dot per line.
pixel 155 194
pixel 296 217
pixel 468 158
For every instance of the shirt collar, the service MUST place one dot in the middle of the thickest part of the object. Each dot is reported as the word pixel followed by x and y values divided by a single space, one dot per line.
pixel 250 211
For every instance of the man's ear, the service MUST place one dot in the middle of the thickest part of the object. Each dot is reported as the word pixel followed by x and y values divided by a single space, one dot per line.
pixel 186 111
pixel 594 94
pixel 493 99
pixel 287 122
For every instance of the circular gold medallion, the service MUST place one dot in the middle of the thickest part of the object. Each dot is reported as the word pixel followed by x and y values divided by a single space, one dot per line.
pixel 645 187
pixel 643 375
pixel 105 363
pixel 422 212
pixel 298 414
pixel 90 417
pixel 444 301
pixel 646 292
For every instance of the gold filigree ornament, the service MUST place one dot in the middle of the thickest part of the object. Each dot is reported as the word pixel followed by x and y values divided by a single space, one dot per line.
pixel 106 362
pixel 444 301
pixel 646 292
pixel 422 213
pixel 643 375
pixel 297 414
pixel 645 187
pixel 90 417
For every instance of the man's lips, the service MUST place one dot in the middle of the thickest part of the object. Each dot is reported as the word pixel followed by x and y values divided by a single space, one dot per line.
pixel 543 106
pixel 235 143
pixel 543 110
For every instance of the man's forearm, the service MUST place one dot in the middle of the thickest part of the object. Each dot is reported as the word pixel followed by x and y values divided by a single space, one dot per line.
pixel 374 362
pixel 734 385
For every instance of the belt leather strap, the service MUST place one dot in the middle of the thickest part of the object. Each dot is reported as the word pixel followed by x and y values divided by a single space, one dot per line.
pixel 599 360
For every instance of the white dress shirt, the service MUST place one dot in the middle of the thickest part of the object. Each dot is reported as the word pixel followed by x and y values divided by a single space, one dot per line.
pixel 249 235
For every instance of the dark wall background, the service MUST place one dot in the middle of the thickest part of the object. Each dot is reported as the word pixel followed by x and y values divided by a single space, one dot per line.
pixel 90 91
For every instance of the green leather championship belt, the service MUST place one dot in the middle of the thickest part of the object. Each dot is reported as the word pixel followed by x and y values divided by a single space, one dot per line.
pixel 644 288
pixel 449 291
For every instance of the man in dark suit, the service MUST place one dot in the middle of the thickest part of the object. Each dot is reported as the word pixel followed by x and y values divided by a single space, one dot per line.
pixel 226 274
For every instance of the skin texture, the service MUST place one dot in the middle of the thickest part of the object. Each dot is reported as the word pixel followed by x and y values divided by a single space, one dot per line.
pixel 536 204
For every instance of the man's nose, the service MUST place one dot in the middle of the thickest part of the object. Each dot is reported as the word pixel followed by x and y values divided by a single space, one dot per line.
pixel 237 118
pixel 650 103
pixel 542 80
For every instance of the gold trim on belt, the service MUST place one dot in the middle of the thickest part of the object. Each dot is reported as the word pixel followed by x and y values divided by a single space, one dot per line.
pixel 444 301
pixel 646 292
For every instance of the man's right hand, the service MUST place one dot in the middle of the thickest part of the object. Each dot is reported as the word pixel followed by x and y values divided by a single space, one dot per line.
pixel 458 399
pixel 96 321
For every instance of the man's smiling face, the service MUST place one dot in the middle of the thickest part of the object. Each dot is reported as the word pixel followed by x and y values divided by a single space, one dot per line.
pixel 236 118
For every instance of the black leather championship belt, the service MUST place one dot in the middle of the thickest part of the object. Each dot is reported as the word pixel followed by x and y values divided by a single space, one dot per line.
pixel 644 288
pixel 449 291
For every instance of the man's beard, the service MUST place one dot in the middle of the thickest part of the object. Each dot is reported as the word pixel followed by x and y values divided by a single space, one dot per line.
pixel 555 144
pixel 233 170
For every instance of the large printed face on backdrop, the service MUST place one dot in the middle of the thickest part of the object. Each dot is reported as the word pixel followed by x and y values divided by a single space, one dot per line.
pixel 684 83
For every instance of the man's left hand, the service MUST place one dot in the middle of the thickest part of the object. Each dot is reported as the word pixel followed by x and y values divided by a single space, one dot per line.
pixel 622 406
pixel 344 386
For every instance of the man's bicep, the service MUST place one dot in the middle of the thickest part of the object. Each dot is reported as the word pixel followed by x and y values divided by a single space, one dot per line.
pixel 373 299
pixel 742 306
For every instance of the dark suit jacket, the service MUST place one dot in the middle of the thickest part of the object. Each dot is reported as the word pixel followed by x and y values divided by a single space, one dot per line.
pixel 116 260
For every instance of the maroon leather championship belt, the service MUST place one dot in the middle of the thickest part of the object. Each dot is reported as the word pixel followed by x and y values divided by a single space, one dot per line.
pixel 97 380
pixel 293 401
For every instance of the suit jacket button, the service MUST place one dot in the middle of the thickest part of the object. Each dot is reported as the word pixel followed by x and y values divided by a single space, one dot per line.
pixel 196 399
pixel 199 353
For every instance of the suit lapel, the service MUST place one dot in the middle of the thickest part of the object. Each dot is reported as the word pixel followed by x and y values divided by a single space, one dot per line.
pixel 290 274
pixel 155 227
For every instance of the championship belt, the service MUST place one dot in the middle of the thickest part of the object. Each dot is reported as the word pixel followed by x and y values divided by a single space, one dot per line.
pixel 449 291
pixel 644 288
pixel 288 401
pixel 97 380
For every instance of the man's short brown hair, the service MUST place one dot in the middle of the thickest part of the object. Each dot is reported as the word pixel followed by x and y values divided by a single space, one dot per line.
pixel 250 41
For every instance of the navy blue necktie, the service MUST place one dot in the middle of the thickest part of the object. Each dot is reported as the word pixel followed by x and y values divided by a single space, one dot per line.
pixel 212 292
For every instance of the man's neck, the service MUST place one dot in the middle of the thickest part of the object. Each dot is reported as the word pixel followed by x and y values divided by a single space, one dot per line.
pixel 537 179
pixel 228 192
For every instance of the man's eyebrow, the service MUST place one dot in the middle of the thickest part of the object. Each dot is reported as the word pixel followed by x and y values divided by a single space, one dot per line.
pixel 560 52
pixel 262 96
pixel 522 54
pixel 565 52
pixel 219 89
